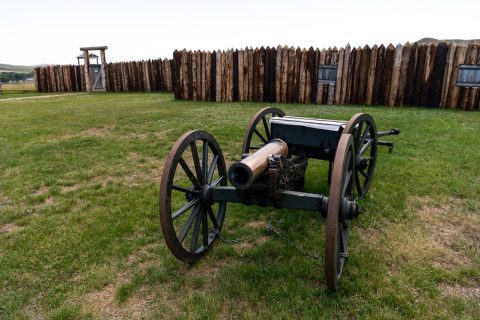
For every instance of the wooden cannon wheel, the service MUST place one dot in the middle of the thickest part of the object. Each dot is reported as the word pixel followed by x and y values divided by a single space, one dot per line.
pixel 184 214
pixel 365 140
pixel 337 228
pixel 257 136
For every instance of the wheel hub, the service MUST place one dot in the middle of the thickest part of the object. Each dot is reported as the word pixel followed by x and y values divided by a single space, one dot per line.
pixel 360 163
pixel 205 195
pixel 349 209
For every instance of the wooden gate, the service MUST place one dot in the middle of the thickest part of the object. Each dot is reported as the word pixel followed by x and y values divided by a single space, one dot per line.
pixel 96 77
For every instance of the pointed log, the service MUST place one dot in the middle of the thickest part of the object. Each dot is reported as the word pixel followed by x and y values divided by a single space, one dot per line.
pixel 320 86
pixel 459 58
pixel 437 75
pixel 448 74
pixel 378 75
pixel 364 68
pixel 371 75
pixel 338 81
pixel 346 67
pixel 356 75
pixel 240 76
pixel 402 80
pixel 291 75
pixel 218 77
pixel 430 60
pixel 397 62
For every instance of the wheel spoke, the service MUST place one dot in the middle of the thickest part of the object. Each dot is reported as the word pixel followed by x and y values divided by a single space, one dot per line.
pixel 185 208
pixel 260 136
pixel 358 184
pixel 214 183
pixel 365 146
pixel 212 217
pixel 347 182
pixel 205 228
pixel 364 174
pixel 196 162
pixel 211 170
pixel 188 224
pixel 358 133
pixel 344 235
pixel 189 173
pixel 265 125
pixel 196 231
pixel 185 190
pixel 364 136
pixel 205 161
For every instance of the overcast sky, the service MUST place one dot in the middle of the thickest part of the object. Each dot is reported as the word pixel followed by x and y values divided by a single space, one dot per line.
pixel 52 31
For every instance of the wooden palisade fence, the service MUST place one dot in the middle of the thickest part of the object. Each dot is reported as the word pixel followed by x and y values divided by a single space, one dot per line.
pixel 412 74
pixel 150 75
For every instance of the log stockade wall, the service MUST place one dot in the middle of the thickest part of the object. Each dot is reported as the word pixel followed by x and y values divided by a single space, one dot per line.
pixel 412 74
pixel 149 75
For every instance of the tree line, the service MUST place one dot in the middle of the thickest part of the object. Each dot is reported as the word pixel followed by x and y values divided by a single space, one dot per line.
pixel 6 77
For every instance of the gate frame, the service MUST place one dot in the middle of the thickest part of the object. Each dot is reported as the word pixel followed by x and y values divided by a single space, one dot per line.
pixel 86 66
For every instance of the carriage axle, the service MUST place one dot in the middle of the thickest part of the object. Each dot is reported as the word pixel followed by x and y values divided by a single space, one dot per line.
pixel 288 200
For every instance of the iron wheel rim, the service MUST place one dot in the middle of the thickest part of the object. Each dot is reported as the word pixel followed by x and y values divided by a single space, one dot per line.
pixel 264 134
pixel 338 226
pixel 202 218
pixel 364 131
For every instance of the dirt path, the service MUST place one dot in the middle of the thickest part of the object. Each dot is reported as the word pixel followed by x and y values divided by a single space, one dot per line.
pixel 43 97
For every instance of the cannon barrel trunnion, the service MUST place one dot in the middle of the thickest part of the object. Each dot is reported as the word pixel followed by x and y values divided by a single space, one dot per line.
pixel 276 150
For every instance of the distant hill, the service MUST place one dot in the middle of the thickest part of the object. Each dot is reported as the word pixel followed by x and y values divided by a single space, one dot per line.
pixel 455 41
pixel 12 68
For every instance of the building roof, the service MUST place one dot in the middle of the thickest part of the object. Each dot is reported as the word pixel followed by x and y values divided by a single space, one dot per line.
pixel 91 55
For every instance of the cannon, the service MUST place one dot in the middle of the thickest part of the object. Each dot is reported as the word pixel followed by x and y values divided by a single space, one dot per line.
pixel 276 150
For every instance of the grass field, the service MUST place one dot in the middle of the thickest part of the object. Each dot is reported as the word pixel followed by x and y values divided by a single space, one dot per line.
pixel 18 90
pixel 80 234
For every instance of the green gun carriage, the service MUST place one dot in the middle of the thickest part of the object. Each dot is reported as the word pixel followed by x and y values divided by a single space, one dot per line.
pixel 276 148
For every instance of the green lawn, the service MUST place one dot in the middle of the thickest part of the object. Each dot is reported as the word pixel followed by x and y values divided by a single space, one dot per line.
pixel 80 234
pixel 18 90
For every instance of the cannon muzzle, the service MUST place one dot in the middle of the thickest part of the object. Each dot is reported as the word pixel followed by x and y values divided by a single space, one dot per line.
pixel 242 174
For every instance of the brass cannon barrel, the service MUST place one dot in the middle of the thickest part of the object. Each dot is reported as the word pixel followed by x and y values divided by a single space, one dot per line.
pixel 242 174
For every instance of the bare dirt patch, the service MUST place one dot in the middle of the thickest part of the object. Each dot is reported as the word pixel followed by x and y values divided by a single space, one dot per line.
pixel 262 240
pixel 144 170
pixel 243 246
pixel 459 291
pixel 438 234
pixel 144 257
pixel 43 189
pixel 152 134
pixel 246 245
pixel 133 156
pixel 9 227
pixel 206 268
pixel 87 133
pixel 6 203
pixel 256 224
pixel 95 132
pixel 448 229
pixel 33 311
pixel 104 305
pixel 67 189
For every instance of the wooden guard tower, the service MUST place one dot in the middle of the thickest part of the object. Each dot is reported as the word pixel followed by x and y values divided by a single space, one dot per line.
pixel 95 73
